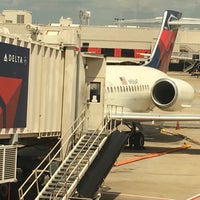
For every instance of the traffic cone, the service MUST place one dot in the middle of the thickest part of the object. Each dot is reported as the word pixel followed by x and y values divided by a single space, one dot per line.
pixel 177 125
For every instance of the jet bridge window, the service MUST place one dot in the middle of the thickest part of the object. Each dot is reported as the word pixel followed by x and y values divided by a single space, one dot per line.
pixel 20 19
pixel 95 91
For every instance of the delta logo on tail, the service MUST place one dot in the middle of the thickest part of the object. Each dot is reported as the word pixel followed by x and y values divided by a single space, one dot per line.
pixel 14 67
pixel 161 55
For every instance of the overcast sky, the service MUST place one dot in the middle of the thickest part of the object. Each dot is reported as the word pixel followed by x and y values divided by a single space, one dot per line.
pixel 103 12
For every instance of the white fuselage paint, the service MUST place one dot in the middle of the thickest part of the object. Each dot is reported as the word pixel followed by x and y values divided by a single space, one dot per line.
pixel 133 91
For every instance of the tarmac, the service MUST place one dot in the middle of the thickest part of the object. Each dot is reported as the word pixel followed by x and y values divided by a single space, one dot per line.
pixel 172 175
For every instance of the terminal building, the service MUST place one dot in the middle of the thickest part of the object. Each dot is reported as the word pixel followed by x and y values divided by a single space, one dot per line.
pixel 53 72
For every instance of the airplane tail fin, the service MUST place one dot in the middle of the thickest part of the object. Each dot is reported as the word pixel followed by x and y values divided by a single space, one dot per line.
pixel 160 57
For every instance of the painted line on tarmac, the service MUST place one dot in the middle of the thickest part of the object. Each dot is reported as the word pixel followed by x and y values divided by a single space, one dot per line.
pixel 137 196
pixel 197 197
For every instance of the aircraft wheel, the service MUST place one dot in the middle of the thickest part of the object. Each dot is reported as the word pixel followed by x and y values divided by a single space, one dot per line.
pixel 138 140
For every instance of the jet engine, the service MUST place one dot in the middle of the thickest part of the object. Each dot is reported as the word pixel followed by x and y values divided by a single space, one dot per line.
pixel 171 94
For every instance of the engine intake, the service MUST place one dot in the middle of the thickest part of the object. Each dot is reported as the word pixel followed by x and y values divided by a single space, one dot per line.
pixel 172 94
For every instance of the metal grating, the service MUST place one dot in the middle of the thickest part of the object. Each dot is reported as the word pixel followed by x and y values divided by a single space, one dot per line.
pixel 8 163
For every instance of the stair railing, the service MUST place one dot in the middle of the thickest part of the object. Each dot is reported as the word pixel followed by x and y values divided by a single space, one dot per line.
pixel 95 136
pixel 43 167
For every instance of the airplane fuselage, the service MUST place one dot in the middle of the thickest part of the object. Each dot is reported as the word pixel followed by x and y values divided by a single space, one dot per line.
pixel 132 88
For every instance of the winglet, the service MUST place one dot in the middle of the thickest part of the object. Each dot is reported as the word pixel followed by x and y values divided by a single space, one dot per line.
pixel 160 57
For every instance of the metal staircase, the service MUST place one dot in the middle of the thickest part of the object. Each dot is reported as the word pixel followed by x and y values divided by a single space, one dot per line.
pixel 61 184
pixel 65 179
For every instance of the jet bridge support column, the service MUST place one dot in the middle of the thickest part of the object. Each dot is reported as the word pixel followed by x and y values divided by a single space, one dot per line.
pixel 69 94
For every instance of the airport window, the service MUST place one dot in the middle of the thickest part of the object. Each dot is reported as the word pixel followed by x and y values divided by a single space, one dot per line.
pixel 9 21
pixel 95 91
pixel 85 44
pixel 127 53
pixel 20 19
pixel 108 52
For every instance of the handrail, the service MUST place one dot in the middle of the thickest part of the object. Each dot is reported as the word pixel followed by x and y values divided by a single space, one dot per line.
pixel 114 109
pixel 28 186
pixel 103 129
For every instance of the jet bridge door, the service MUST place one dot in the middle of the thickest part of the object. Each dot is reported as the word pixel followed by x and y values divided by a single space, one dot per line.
pixel 95 102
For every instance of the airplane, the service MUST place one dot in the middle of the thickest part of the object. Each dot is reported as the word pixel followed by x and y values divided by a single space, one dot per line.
pixel 139 89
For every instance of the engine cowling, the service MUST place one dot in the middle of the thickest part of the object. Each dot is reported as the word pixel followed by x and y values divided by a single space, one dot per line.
pixel 171 94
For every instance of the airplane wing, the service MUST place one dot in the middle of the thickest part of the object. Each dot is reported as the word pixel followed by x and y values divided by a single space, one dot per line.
pixel 172 57
pixel 186 21
pixel 155 117
pixel 158 20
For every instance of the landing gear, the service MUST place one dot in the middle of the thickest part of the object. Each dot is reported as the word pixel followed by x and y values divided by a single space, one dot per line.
pixel 136 138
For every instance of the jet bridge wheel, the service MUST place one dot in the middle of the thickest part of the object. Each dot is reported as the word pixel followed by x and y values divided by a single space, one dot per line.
pixel 138 140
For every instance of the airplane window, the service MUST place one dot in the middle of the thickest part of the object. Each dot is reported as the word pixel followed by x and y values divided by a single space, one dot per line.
pixel 95 91
pixel 121 89
pixel 117 88
pixel 111 89
pixel 108 89
pixel 126 88
pixel 142 87
pixel 129 88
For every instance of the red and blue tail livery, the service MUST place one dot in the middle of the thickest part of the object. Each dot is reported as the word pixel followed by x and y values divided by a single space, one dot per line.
pixel 14 67
pixel 160 57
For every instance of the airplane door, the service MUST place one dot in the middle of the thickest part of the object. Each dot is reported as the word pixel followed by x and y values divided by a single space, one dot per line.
pixel 95 102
